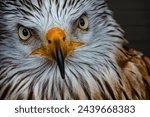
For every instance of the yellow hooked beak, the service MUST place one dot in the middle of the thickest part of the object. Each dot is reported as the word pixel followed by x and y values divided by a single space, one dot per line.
pixel 57 48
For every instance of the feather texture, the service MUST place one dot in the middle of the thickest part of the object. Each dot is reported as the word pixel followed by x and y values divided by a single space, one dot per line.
pixel 102 69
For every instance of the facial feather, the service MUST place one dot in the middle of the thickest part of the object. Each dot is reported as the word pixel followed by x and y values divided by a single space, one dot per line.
pixel 92 71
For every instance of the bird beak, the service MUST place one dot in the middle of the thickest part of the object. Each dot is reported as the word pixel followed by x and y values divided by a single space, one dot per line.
pixel 57 48
pixel 60 58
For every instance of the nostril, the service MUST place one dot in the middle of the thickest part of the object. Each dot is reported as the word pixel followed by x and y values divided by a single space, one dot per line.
pixel 64 38
pixel 49 41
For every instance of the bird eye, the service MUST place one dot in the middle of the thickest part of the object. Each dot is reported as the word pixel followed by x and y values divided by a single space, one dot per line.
pixel 24 33
pixel 83 23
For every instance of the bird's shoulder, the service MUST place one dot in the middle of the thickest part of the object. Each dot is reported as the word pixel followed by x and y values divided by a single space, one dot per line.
pixel 138 64
pixel 135 73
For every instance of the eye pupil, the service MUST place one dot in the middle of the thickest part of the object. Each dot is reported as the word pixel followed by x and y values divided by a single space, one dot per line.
pixel 25 32
pixel 82 22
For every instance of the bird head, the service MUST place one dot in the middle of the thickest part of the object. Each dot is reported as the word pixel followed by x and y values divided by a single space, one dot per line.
pixel 43 41
pixel 59 35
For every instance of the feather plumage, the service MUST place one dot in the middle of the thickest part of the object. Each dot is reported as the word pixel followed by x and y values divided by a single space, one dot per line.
pixel 101 69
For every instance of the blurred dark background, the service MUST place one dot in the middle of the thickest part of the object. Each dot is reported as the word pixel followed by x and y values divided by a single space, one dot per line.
pixel 134 18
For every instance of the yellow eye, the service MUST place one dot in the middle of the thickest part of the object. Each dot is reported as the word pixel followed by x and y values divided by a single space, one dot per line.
pixel 83 23
pixel 24 33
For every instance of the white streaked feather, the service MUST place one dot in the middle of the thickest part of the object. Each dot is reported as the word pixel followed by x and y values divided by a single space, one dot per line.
pixel 84 61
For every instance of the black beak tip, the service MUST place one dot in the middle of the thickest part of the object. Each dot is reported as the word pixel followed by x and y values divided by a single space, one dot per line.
pixel 60 60
pixel 63 76
pixel 62 70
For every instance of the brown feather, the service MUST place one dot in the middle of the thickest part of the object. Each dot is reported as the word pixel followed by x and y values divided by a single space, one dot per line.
pixel 135 74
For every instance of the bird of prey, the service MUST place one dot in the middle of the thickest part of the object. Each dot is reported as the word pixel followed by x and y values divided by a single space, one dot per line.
pixel 67 49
